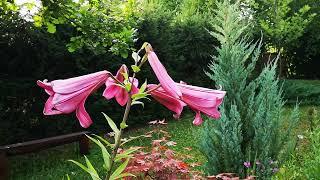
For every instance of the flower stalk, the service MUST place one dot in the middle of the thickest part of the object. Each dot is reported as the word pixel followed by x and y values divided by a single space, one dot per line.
pixel 118 139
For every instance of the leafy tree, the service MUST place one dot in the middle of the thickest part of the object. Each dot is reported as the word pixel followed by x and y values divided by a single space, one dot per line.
pixel 303 54
pixel 280 24
pixel 100 26
pixel 251 127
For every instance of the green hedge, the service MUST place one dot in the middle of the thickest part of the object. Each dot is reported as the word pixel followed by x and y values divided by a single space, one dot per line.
pixel 303 91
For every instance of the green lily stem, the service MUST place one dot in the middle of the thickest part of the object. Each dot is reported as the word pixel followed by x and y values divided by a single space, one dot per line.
pixel 118 140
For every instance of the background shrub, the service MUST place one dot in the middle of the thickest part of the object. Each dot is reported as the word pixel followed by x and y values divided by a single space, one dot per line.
pixel 303 91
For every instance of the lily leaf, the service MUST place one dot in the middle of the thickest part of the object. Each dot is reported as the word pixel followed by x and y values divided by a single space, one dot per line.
pixel 85 169
pixel 103 140
pixel 128 86
pixel 137 103
pixel 119 170
pixel 125 154
pixel 125 175
pixel 143 87
pixel 94 174
pixel 123 125
pixel 104 151
pixel 111 124
pixel 139 96
pixel 135 68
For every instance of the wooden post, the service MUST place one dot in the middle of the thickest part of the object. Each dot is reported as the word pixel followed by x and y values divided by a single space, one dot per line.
pixel 84 145
pixel 4 166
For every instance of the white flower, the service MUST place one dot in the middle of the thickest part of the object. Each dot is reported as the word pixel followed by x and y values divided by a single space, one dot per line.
pixel 300 136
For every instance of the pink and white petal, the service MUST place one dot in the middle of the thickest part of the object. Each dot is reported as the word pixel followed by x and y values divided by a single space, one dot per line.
pixel 168 101
pixel 83 116
pixel 198 119
pixel 211 111
pixel 198 101
pixel 67 86
pixel 49 108
pixel 165 80
pixel 68 103
pixel 46 86
pixel 122 97
pixel 218 93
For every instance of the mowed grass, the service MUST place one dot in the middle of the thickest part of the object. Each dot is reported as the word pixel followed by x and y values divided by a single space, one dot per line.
pixel 53 164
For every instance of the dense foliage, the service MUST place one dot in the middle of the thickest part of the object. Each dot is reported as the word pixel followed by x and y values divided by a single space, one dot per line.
pixel 303 91
pixel 100 26
pixel 31 50
pixel 287 25
pixel 249 135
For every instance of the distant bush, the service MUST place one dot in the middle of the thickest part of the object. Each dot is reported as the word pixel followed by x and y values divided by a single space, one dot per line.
pixel 303 91
pixel 180 38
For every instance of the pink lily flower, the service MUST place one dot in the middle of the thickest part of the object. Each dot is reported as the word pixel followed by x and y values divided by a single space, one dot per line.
pixel 198 99
pixel 167 100
pixel 165 80
pixel 202 100
pixel 114 90
pixel 68 95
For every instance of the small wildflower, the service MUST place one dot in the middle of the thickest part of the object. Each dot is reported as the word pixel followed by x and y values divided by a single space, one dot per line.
pixel 171 143
pixel 258 162
pixel 153 122
pixel 274 170
pixel 247 164
pixel 273 162
pixel 300 136
pixel 111 134
pixel 162 122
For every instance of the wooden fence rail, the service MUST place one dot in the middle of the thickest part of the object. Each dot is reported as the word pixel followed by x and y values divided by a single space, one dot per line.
pixel 38 145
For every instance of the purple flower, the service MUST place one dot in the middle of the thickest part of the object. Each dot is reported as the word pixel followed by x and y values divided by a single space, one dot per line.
pixel 247 164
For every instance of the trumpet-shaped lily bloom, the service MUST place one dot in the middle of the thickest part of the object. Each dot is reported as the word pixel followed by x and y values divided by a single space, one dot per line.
pixel 167 100
pixel 113 90
pixel 165 80
pixel 201 99
pixel 198 99
pixel 69 95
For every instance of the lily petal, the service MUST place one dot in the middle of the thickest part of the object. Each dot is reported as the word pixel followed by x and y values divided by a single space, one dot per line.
pixel 198 119
pixel 83 116
pixel 49 108
pixel 165 80
pixel 71 85
pixel 46 86
pixel 111 91
pixel 122 97
pixel 167 100
pixel 69 95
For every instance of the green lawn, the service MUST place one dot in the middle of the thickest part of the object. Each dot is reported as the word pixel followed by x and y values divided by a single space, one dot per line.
pixel 52 164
